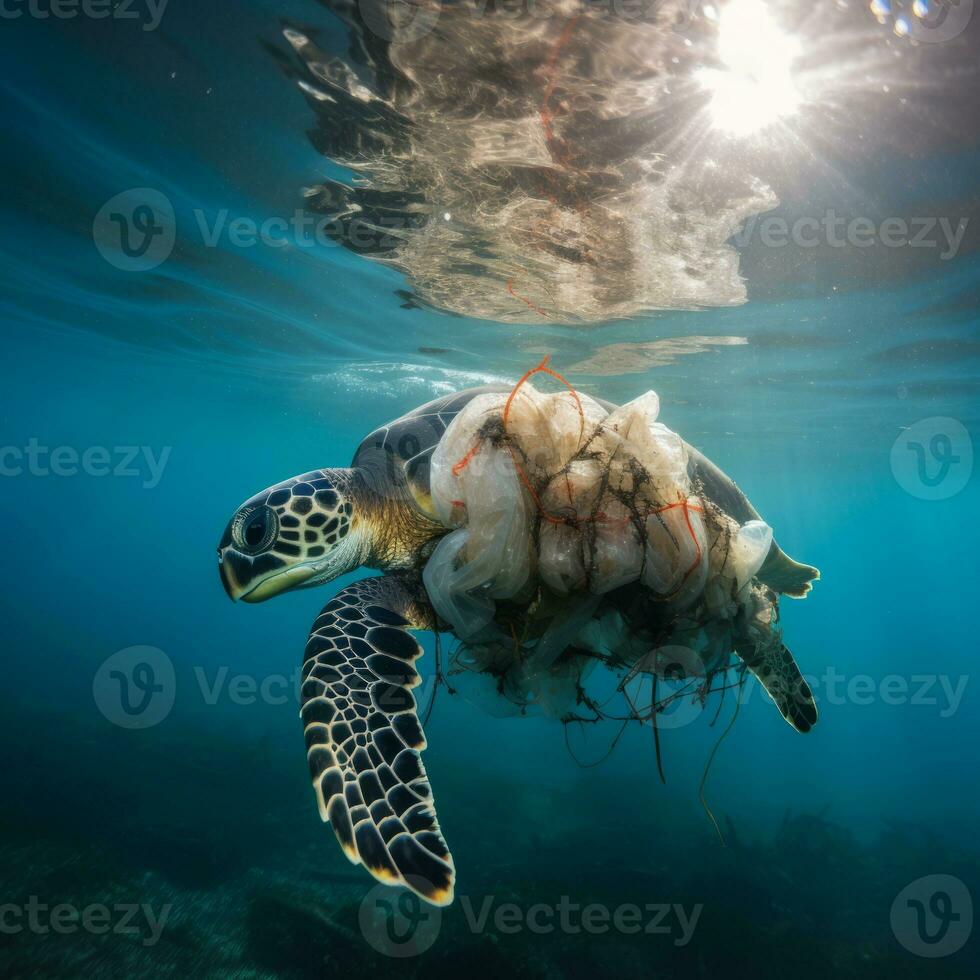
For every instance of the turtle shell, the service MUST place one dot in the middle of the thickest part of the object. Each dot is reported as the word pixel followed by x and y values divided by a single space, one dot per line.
pixel 396 460
pixel 397 456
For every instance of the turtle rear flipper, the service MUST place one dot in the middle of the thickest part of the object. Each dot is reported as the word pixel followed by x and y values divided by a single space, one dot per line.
pixel 363 736
pixel 772 663
pixel 784 575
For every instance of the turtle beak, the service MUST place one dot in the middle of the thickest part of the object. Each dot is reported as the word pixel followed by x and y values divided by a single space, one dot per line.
pixel 242 580
pixel 228 580
pixel 276 582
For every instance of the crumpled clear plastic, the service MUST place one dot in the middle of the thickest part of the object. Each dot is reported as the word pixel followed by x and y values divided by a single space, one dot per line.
pixel 553 503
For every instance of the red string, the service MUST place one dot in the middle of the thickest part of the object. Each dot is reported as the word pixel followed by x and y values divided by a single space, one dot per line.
pixel 461 465
pixel 525 300
pixel 545 112
pixel 543 368
pixel 559 155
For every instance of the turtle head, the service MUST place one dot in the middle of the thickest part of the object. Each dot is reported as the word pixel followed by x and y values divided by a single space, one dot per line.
pixel 302 532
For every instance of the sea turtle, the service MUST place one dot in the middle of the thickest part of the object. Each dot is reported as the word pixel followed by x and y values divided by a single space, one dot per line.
pixel 362 731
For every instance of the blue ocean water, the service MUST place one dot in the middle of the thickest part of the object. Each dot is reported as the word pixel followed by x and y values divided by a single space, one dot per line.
pixel 846 411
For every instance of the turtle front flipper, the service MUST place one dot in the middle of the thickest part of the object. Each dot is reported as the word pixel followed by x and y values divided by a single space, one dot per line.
pixel 363 735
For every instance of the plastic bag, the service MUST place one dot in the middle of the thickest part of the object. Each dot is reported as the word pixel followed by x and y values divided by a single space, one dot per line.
pixel 491 556
pixel 553 503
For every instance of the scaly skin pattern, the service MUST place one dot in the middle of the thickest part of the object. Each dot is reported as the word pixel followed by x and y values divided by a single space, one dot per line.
pixel 363 735
pixel 398 535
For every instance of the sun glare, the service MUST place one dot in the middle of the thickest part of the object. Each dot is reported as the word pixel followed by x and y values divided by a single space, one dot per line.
pixel 756 87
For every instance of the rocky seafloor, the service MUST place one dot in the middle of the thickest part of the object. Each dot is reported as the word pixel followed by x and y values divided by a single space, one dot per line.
pixel 260 891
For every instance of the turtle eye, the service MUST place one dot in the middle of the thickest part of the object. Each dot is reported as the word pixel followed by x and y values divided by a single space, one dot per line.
pixel 255 529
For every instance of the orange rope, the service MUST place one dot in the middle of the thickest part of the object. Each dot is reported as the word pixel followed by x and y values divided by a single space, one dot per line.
pixel 543 368
pixel 694 538
pixel 526 301
pixel 461 465
pixel 545 112
pixel 690 527
pixel 559 155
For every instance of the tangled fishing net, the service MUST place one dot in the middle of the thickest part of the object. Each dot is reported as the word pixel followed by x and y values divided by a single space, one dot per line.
pixel 527 163
pixel 578 537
